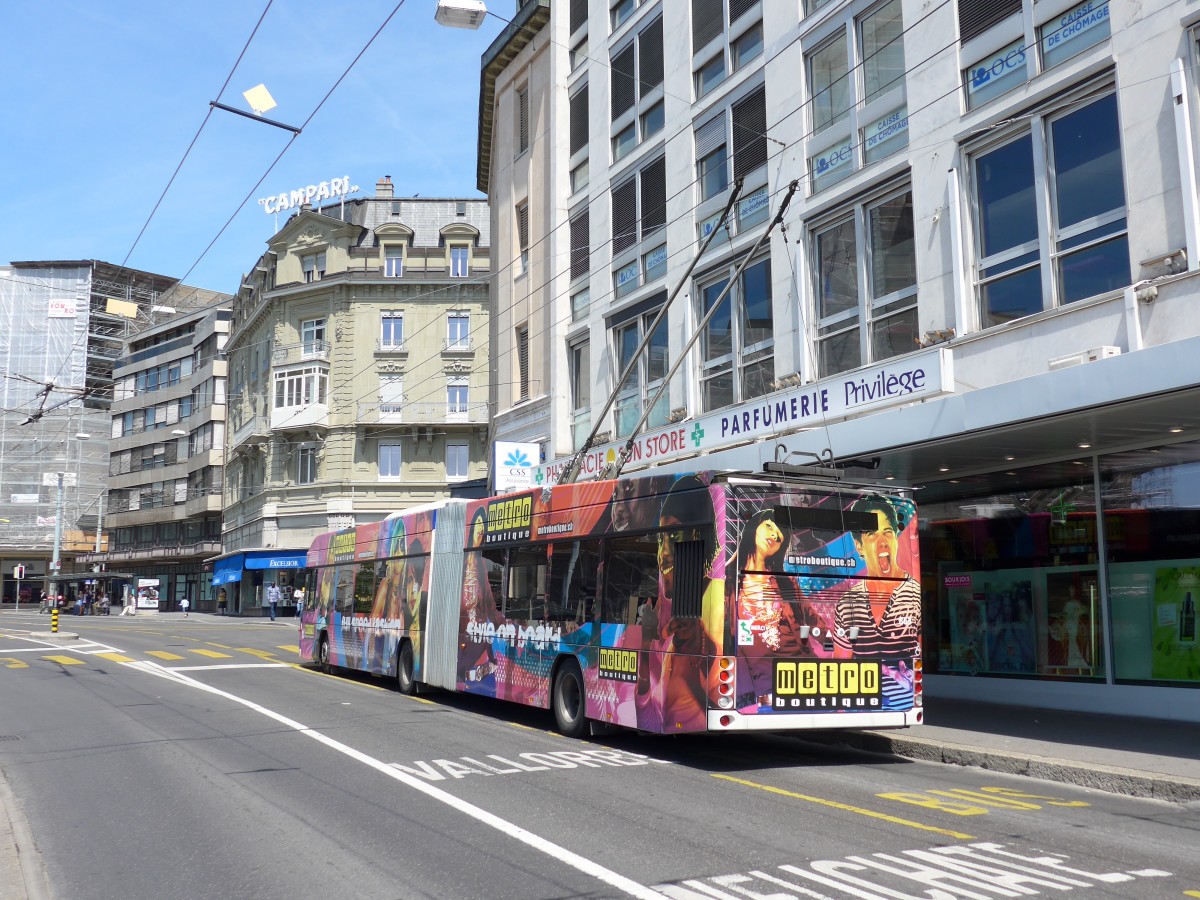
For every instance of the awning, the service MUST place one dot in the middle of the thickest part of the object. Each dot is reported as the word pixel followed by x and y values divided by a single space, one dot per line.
pixel 273 560
pixel 228 569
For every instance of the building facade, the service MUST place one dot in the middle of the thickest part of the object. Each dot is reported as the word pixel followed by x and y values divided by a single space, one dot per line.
pixel 962 249
pixel 63 326
pixel 167 454
pixel 358 377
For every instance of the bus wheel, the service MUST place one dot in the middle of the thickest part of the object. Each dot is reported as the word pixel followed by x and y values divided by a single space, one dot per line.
pixel 323 655
pixel 569 700
pixel 404 669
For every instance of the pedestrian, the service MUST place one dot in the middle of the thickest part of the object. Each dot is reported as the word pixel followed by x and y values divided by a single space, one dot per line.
pixel 222 602
pixel 183 604
pixel 298 599
pixel 274 595
pixel 44 606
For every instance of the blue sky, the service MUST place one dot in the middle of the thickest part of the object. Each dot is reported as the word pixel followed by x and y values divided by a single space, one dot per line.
pixel 102 100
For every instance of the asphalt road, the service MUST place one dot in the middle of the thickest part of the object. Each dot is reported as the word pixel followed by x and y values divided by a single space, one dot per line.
pixel 163 757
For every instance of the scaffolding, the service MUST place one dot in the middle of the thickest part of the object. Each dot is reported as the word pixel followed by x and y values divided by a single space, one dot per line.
pixel 63 325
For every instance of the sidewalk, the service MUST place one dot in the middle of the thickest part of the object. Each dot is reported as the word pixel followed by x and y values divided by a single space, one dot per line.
pixel 1119 754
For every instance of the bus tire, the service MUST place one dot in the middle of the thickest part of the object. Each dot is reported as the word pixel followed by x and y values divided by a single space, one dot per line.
pixel 323 655
pixel 404 669
pixel 569 700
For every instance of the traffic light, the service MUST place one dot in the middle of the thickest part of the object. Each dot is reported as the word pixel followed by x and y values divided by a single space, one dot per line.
pixel 20 572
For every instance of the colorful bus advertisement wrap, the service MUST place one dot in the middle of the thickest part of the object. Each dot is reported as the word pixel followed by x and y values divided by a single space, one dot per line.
pixel 689 602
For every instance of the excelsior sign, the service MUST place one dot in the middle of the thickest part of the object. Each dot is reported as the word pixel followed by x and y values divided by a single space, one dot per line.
pixel 887 384
pixel 326 190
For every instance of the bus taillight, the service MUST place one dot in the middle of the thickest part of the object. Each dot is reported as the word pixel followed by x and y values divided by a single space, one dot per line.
pixel 725 672
pixel 918 674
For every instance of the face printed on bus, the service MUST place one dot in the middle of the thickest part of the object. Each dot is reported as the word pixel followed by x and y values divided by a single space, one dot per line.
pixel 878 548
pixel 666 553
pixel 477 529
pixel 767 539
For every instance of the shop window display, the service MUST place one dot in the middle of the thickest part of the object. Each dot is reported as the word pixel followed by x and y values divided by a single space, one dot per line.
pixel 1024 583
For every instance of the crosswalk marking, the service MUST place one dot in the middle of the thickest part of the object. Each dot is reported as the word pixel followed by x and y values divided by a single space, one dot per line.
pixel 163 654
pixel 261 654
pixel 212 654
pixel 65 660
pixel 114 657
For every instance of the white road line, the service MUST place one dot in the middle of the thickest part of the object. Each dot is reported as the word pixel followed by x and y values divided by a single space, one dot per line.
pixel 562 854
pixel 230 666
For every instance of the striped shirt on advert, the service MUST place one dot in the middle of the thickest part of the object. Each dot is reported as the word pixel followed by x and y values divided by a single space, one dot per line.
pixel 895 634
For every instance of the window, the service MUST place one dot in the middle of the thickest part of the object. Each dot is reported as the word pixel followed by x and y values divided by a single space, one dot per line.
pixel 708 21
pixel 747 47
pixel 393 260
pixel 829 81
pixel 314 267
pixel 523 236
pixel 709 75
pixel 711 157
pixel 312 336
pixel 391 395
pixel 456 396
pixel 578 114
pixel 579 177
pixel 636 78
pixel 392 328
pixel 737 346
pixel 621 11
pixel 581 392
pixel 649 369
pixel 300 387
pixel 977 16
pixel 654 263
pixel 849 111
pixel 523 363
pixel 306 465
pixel 579 304
pixel 458 330
pixel 456 462
pixel 581 255
pixel 389 460
pixel 579 15
pixel 624 141
pixel 459 254
pixel 1069 163
pixel 639 206
pixel 579 54
pixel 871 246
pixel 522 120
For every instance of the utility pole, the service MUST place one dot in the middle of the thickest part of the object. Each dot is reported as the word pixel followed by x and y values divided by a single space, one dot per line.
pixel 56 562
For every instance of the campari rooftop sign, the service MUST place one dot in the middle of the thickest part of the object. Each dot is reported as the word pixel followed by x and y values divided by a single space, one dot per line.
pixel 313 193
pixel 843 396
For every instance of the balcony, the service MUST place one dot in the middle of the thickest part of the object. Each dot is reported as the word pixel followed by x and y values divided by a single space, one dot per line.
pixel 463 345
pixel 390 348
pixel 300 352
pixel 422 414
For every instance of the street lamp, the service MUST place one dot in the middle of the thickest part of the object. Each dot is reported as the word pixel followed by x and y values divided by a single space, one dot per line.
pixel 59 480
pixel 460 13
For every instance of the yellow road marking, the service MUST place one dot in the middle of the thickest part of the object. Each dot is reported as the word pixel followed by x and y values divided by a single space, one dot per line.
pixel 212 654
pixel 261 654
pixel 163 654
pixel 222 646
pixel 65 660
pixel 1191 893
pixel 854 809
pixel 13 663
pixel 114 657
pixel 374 687
pixel 291 648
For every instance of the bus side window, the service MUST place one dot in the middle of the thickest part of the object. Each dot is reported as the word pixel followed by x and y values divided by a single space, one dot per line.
pixel 630 576
pixel 571 596
pixel 525 599
pixel 344 597
pixel 364 589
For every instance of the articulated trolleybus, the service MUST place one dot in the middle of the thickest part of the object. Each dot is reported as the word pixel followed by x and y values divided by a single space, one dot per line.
pixel 669 603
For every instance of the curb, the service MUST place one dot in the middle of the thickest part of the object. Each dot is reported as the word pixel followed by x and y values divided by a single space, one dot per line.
pixel 25 857
pixel 1113 779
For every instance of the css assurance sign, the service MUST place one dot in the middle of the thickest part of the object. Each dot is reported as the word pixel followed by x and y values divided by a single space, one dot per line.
pixel 513 464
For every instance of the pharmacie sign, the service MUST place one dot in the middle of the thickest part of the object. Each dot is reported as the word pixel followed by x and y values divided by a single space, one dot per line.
pixel 889 384
pixel 312 193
